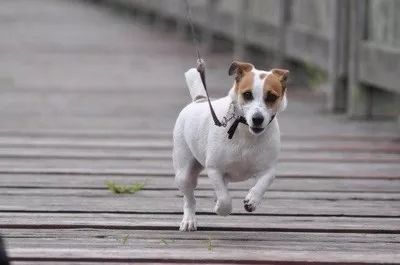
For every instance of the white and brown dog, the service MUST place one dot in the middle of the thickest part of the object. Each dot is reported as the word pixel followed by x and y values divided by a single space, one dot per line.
pixel 253 151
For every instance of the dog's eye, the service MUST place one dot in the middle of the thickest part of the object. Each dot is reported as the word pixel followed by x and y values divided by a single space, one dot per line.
pixel 247 95
pixel 271 98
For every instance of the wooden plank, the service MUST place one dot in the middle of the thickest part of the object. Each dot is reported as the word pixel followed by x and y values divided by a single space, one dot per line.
pixel 140 159
pixel 284 22
pixel 313 15
pixel 144 133
pixel 388 146
pixel 336 94
pixel 207 222
pixel 169 202
pixel 165 134
pixel 313 123
pixel 142 155
pixel 358 103
pixel 305 45
pixel 300 170
pixel 383 26
pixel 245 255
pixel 93 134
pixel 72 244
pixel 266 237
pixel 379 66
pixel 125 167
pixel 167 182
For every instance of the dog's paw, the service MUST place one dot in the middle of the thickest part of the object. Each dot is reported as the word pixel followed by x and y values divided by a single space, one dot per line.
pixel 223 206
pixel 189 223
pixel 251 201
pixel 248 206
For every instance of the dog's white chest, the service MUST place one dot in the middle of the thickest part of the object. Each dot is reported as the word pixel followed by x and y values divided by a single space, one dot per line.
pixel 239 169
pixel 240 162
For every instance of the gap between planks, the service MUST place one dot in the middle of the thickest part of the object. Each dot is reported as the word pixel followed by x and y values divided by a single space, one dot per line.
pixel 210 222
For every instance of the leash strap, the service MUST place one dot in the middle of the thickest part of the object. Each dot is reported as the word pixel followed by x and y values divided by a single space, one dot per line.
pixel 234 126
pixel 194 39
pixel 200 62
pixel 202 71
pixel 273 116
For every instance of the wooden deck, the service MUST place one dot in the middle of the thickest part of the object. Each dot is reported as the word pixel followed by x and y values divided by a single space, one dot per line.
pixel 88 96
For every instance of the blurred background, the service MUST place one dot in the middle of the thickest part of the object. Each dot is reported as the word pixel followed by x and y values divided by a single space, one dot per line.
pixel 350 50
pixel 91 64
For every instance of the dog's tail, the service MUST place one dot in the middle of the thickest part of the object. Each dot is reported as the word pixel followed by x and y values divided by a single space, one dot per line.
pixel 196 88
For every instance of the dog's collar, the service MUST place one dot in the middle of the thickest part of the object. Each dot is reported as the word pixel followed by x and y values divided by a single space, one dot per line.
pixel 241 119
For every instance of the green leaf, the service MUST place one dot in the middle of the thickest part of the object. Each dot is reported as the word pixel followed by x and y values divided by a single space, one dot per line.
pixel 124 189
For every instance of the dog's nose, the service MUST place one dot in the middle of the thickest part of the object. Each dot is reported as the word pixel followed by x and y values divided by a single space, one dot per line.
pixel 258 119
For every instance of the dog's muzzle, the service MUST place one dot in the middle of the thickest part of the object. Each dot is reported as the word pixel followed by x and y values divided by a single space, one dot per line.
pixel 256 130
pixel 257 119
pixel 241 119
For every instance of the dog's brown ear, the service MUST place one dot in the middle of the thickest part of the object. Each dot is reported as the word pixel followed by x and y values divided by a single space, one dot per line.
pixel 282 75
pixel 239 69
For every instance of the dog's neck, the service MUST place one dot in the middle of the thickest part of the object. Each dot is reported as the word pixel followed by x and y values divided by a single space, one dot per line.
pixel 234 115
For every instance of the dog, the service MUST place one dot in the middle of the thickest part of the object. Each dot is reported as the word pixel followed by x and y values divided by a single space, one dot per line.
pixel 253 150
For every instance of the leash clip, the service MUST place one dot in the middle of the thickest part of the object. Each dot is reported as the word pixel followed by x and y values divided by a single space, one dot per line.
pixel 201 65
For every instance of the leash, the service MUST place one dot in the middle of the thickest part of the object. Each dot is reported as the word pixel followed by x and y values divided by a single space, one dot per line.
pixel 201 68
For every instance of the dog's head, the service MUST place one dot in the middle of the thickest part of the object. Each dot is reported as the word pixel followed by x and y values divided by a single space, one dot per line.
pixel 261 94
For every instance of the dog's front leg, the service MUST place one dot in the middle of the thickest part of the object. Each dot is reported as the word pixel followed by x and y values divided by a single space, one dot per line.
pixel 256 193
pixel 223 205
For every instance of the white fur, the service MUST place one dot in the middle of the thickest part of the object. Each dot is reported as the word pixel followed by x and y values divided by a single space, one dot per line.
pixel 199 144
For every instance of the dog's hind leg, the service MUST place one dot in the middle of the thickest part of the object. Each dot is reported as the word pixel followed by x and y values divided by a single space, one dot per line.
pixel 187 170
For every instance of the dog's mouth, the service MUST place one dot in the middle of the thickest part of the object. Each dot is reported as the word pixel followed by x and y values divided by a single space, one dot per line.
pixel 256 130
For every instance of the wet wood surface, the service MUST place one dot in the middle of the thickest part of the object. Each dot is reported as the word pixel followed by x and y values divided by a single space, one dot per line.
pixel 86 97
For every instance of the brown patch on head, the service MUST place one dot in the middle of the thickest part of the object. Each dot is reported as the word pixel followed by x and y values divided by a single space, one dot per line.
pixel 263 75
pixel 239 69
pixel 272 84
pixel 244 87
pixel 245 83
pixel 275 86
pixel 282 75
